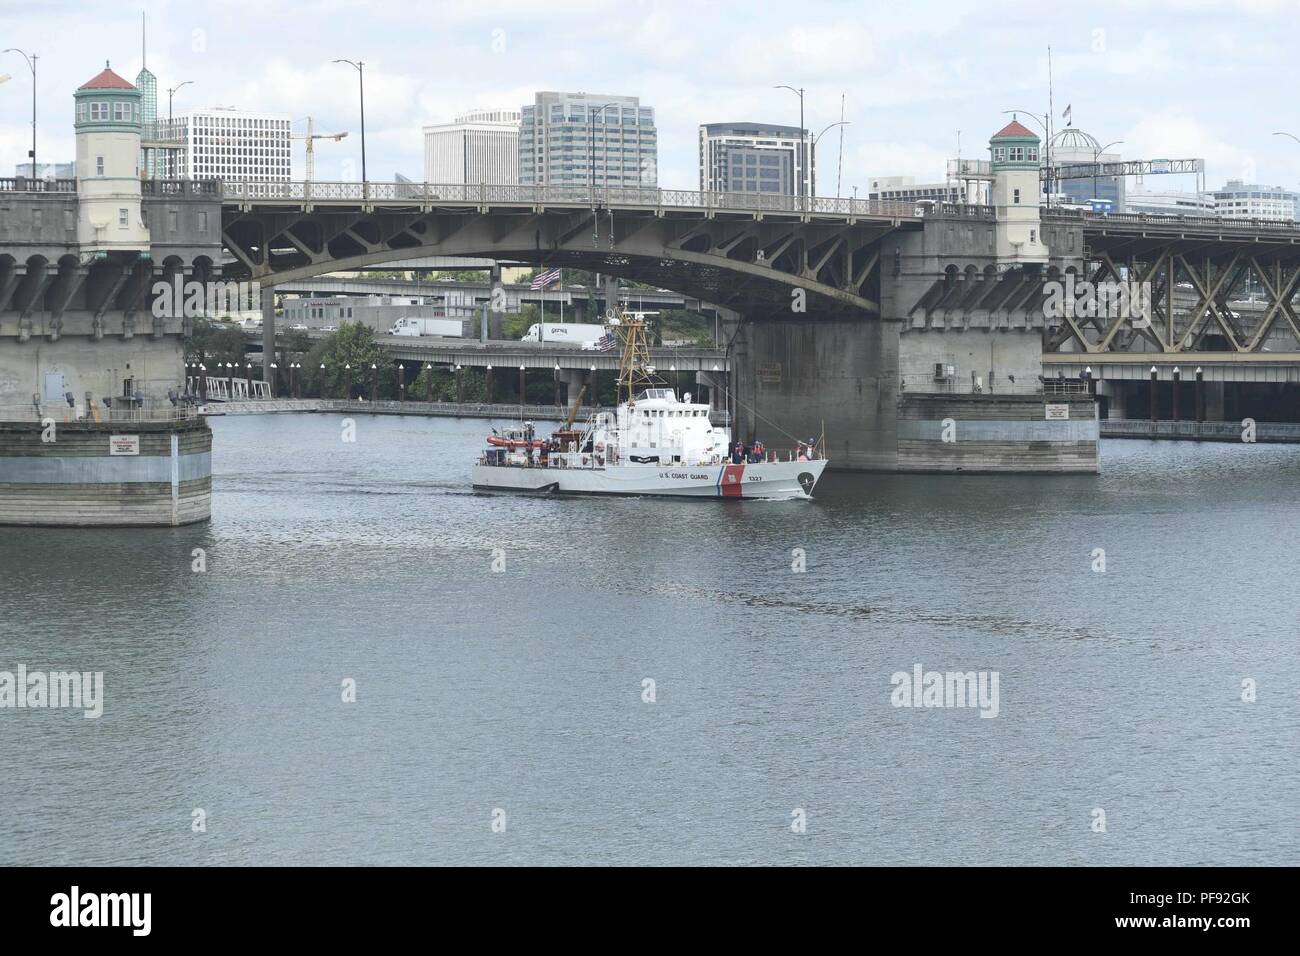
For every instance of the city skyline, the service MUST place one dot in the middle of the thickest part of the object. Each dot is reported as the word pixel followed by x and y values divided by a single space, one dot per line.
pixel 911 80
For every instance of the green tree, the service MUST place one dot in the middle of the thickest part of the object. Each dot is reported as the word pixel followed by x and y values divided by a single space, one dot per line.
pixel 676 324
pixel 215 341
pixel 352 345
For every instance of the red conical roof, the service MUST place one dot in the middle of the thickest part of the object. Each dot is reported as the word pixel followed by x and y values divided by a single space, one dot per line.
pixel 1014 129
pixel 107 80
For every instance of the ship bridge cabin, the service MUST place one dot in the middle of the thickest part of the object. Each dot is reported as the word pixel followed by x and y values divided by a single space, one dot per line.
pixel 659 427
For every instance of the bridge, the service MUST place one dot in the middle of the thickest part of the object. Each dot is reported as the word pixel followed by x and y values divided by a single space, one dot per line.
pixel 846 310
pixel 736 250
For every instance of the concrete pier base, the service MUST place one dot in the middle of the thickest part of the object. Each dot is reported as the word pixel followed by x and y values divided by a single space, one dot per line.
pixel 871 388
pixel 110 474
pixel 997 433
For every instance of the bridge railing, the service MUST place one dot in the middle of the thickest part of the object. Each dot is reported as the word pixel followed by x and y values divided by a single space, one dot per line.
pixel 1252 225
pixel 326 192
pixel 25 184
pixel 1222 431
pixel 208 188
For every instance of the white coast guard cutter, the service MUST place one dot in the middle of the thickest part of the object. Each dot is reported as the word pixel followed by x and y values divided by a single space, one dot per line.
pixel 653 444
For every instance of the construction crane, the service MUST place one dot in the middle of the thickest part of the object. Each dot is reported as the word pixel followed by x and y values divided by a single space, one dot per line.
pixel 311 137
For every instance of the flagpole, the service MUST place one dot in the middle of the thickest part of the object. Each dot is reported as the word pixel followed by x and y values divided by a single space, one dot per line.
pixel 1051 110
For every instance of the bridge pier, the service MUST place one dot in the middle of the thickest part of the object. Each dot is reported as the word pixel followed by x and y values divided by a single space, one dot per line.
pixel 792 378
pixel 268 335
pixel 568 382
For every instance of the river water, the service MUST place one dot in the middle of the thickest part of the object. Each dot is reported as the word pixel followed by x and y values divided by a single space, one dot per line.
pixel 521 696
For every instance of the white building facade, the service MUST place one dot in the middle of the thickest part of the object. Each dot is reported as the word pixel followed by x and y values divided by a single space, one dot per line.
pixel 1168 203
pixel 572 139
pixel 229 144
pixel 479 147
pixel 1239 200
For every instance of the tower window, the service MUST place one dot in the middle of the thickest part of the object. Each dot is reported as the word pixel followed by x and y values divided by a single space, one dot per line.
pixel 1015 196
pixel 121 218
pixel 99 165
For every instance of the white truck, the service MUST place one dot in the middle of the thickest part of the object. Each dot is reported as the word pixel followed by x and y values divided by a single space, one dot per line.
pixel 449 328
pixel 570 333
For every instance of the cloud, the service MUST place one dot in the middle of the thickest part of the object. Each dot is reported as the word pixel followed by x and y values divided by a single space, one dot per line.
pixel 1167 76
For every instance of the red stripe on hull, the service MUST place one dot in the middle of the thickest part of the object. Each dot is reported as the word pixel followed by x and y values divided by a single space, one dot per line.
pixel 733 481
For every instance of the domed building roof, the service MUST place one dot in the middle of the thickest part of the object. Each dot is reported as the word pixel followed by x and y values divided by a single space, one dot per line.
pixel 106 80
pixel 1072 138
pixel 1014 130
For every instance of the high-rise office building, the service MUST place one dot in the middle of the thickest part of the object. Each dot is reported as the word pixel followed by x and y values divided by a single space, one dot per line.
pixel 479 147
pixel 571 139
pixel 756 158
pixel 223 143
pixel 1239 200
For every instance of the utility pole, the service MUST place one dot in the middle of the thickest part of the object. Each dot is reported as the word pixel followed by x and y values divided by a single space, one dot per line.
pixel 591 146
pixel 803 141
pixel 360 67
pixel 172 152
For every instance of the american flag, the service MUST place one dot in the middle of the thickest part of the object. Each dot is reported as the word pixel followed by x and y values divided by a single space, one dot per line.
pixel 606 342
pixel 543 279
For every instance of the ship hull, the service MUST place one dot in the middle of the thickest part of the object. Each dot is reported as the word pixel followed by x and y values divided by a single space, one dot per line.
pixel 779 480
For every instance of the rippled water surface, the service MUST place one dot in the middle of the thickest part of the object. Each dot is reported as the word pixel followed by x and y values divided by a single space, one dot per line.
pixel 522 690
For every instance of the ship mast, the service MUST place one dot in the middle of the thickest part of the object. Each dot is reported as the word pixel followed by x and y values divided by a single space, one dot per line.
pixel 634 370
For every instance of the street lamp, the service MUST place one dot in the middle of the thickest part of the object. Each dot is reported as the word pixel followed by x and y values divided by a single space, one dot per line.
pixel 1045 122
pixel 803 140
pixel 591 144
pixel 1096 159
pixel 170 94
pixel 818 137
pixel 360 67
pixel 31 63
pixel 171 157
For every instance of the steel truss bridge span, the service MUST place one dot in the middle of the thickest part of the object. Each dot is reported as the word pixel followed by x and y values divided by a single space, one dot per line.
pixel 746 253
pixel 1216 285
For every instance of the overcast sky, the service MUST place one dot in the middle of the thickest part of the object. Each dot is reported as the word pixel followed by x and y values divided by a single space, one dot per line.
pixel 1171 78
